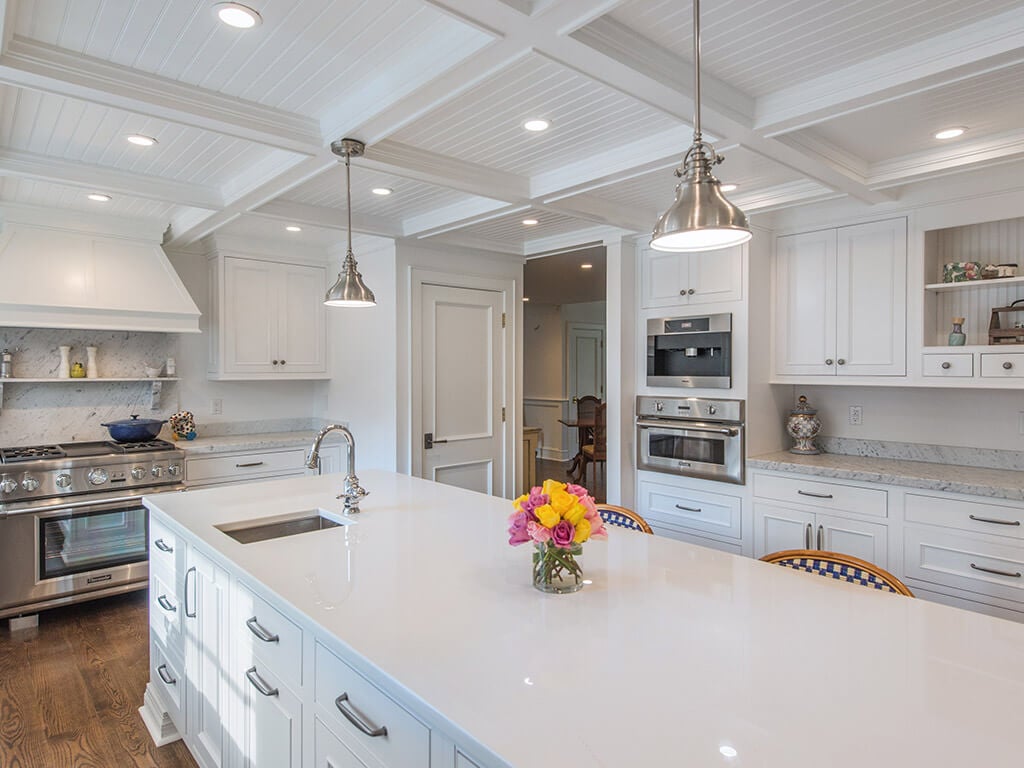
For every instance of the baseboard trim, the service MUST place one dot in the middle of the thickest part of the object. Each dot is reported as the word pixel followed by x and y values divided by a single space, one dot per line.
pixel 554 454
pixel 159 724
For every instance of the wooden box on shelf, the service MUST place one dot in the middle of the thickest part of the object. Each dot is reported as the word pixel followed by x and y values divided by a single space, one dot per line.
pixel 997 334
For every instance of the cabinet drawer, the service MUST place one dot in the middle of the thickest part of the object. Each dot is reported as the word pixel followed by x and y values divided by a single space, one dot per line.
pixel 964 562
pixel 165 614
pixel 966 515
pixel 330 751
pixel 696 510
pixel 265 633
pixel 407 741
pixel 1009 365
pixel 824 495
pixel 166 554
pixel 947 365
pixel 240 466
pixel 165 672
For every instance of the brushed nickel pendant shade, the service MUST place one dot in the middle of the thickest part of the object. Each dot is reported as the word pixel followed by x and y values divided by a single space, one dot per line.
pixel 349 290
pixel 701 218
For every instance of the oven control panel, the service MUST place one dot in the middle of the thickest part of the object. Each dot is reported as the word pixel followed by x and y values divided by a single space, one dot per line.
pixel 689 408
pixel 22 483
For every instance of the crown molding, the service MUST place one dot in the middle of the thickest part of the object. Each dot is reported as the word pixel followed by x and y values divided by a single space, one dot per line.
pixel 458 216
pixel 1002 148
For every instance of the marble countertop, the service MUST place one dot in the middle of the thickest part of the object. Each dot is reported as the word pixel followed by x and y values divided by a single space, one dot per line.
pixel 253 442
pixel 976 481
pixel 675 654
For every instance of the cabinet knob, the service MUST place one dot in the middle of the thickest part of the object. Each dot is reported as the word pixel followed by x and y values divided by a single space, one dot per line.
pixel 841 361
pixel 282 362
pixel 946 366
pixel 682 292
pixel 691 291
pixel 1007 365
pixel 828 361
pixel 274 362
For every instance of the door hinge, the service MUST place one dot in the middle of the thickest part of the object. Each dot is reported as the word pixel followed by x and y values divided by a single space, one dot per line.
pixel 503 319
pixel 502 414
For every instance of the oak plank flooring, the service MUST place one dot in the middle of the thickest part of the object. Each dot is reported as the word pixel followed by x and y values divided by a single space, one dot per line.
pixel 70 690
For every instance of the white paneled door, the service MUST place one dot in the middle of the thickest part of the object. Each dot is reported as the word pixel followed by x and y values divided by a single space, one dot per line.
pixel 462 343
pixel 585 360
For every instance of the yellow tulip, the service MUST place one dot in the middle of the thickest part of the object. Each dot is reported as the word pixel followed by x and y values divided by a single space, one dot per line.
pixel 547 516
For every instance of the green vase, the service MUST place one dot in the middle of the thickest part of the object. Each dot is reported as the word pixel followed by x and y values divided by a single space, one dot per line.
pixel 957 337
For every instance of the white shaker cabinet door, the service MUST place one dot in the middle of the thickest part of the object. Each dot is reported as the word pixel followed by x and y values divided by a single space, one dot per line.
pixel 868 541
pixel 805 304
pixel 665 278
pixel 778 528
pixel 717 275
pixel 301 319
pixel 272 721
pixel 250 316
pixel 871 308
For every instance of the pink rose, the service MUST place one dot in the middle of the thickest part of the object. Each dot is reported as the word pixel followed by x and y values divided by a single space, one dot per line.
pixel 517 529
pixel 576 490
pixel 538 532
pixel 562 534
pixel 597 529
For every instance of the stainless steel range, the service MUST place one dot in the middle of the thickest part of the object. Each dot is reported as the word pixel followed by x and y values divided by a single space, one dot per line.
pixel 72 524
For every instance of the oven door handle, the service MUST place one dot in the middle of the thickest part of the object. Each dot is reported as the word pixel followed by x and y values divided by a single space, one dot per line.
pixel 63 508
pixel 683 427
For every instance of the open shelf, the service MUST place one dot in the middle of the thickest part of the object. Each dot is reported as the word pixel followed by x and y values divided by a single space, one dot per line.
pixel 968 284
pixel 82 380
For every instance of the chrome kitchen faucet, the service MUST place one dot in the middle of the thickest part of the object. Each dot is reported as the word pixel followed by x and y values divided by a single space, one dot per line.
pixel 353 492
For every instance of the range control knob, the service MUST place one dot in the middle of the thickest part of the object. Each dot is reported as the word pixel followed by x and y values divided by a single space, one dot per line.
pixel 174 470
pixel 712 410
pixel 8 484
pixel 157 470
pixel 138 473
pixel 63 480
pixel 97 476
pixel 28 482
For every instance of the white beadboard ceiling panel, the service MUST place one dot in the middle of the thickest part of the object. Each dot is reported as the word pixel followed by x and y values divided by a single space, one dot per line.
pixel 986 105
pixel 760 46
pixel 305 57
pixel 408 197
pixel 484 125
pixel 69 129
pixel 41 193
pixel 510 229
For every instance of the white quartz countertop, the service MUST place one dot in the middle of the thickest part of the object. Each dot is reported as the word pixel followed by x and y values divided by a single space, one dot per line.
pixel 673 653
pixel 252 442
pixel 977 481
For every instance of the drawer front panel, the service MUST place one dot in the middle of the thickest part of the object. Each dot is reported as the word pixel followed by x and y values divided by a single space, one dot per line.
pixel 166 554
pixel 245 465
pixel 824 495
pixel 1008 366
pixel 697 510
pixel 330 751
pixel 973 516
pixel 165 614
pixel 166 673
pixel 947 365
pixel 407 741
pixel 265 634
pixel 964 562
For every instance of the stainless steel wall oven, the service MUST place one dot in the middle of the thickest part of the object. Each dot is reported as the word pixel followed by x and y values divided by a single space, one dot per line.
pixel 691 436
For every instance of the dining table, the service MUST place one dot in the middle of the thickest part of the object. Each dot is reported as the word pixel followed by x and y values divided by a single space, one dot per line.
pixel 584 427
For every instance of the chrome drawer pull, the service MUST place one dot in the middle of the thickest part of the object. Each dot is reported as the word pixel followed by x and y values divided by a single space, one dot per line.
pixel 996 572
pixel 250 464
pixel 815 495
pixel 260 631
pixel 807 537
pixel 195 588
pixel 821 537
pixel 687 509
pixel 159 544
pixel 356 720
pixel 165 675
pixel 994 520
pixel 166 604
pixel 259 683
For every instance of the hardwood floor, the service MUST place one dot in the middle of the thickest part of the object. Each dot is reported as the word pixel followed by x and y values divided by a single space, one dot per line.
pixel 70 690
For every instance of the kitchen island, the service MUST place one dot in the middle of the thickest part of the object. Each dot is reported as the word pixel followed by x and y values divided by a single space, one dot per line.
pixel 425 619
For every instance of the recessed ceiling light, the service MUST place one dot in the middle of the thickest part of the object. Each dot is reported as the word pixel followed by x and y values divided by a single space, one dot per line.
pixel 237 15
pixel 526 298
pixel 728 751
pixel 293 228
pixel 586 266
pixel 950 133
pixel 729 187
pixel 99 197
pixel 530 222
pixel 382 190
pixel 140 141
pixel 536 125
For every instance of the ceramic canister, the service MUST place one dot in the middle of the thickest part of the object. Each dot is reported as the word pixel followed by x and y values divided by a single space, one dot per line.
pixel 803 426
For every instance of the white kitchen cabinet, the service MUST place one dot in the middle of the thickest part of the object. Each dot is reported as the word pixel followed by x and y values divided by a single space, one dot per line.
pixel 676 509
pixel 673 279
pixel 267 319
pixel 840 301
pixel 272 721
pixel 229 468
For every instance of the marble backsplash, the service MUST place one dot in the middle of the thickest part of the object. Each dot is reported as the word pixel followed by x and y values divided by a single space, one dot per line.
pixel 35 413
pixel 933 454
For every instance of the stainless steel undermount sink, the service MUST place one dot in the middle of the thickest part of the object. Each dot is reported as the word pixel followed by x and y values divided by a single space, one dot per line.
pixel 249 531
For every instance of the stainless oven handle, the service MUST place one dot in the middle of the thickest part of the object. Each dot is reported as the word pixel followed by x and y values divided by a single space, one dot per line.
pixel 63 508
pixel 682 426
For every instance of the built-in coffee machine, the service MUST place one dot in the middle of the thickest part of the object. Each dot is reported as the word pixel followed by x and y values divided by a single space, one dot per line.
pixel 690 351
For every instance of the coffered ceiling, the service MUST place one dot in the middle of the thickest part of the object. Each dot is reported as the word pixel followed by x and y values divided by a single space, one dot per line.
pixel 808 99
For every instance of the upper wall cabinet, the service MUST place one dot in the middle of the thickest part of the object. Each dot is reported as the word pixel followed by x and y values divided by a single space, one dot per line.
pixel 672 279
pixel 840 301
pixel 268 319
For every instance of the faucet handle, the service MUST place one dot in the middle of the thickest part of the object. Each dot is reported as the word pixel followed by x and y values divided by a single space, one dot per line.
pixel 353 494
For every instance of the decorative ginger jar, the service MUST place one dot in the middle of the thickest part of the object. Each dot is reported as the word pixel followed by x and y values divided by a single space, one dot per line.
pixel 803 426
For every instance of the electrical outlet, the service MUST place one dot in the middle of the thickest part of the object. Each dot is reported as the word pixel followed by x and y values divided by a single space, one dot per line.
pixel 856 415
pixel 216 406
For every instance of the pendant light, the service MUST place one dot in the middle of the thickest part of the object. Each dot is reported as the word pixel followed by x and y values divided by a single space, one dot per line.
pixel 349 290
pixel 700 219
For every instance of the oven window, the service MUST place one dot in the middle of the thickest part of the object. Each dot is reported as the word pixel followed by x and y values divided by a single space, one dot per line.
pixel 684 448
pixel 91 540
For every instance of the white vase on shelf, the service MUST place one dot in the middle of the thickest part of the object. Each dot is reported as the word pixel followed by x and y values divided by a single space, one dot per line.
pixel 91 371
pixel 65 363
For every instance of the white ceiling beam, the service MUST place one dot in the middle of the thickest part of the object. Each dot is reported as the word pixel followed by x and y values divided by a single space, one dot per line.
pixel 458 215
pixel 289 212
pixel 599 211
pixel 572 240
pixel 990 150
pixel 783 196
pixel 474 243
pixel 8 9
pixel 30 64
pixel 987 45
pixel 73 173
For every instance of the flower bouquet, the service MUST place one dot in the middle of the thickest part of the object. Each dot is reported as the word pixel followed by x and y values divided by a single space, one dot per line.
pixel 557 518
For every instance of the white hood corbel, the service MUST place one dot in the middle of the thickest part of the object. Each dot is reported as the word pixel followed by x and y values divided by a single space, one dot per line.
pixel 61 270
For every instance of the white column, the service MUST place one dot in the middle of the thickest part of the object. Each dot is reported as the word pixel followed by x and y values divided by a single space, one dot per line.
pixel 621 370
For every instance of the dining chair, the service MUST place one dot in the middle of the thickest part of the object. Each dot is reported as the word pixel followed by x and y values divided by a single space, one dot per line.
pixel 836 565
pixel 623 518
pixel 594 452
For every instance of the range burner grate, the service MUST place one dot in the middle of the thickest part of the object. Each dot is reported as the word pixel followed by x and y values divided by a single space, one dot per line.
pixel 31 453
pixel 145 445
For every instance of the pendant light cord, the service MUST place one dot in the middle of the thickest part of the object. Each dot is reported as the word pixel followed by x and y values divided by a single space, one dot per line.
pixel 348 198
pixel 696 70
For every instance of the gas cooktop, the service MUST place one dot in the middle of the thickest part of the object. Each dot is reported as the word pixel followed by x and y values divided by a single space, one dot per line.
pixel 98 448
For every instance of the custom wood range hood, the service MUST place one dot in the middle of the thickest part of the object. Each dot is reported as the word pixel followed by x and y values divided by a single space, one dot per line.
pixel 62 271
